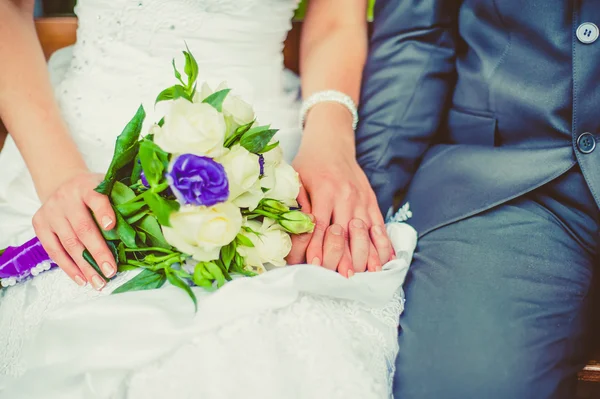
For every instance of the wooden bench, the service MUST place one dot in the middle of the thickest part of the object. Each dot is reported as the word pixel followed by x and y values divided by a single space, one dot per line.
pixel 56 33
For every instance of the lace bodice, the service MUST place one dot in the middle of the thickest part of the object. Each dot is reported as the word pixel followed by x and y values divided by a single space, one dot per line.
pixel 231 39
pixel 124 50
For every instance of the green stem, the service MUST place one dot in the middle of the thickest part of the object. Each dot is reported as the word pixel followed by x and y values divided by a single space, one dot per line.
pixel 141 264
pixel 136 198
pixel 263 213
pixel 153 249
pixel 161 260
pixel 169 261
pixel 160 188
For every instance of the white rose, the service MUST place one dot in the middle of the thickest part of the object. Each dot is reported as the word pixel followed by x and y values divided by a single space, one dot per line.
pixel 201 231
pixel 250 198
pixel 282 182
pixel 274 156
pixel 243 171
pixel 234 108
pixel 271 246
pixel 155 129
pixel 193 128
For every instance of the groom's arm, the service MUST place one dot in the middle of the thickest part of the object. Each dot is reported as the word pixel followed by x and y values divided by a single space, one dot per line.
pixel 408 78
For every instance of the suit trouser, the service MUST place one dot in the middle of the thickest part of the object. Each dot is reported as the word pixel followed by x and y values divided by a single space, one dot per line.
pixel 498 304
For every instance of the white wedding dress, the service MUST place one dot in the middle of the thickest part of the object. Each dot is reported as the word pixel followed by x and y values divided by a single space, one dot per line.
pixel 296 332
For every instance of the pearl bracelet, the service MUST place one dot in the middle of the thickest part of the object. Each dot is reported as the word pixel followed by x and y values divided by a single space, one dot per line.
pixel 333 96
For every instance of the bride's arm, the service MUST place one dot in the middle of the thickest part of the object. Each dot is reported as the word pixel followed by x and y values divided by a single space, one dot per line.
pixel 27 104
pixel 62 180
pixel 333 53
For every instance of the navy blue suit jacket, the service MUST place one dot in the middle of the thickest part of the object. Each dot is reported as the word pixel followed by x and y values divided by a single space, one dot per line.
pixel 468 104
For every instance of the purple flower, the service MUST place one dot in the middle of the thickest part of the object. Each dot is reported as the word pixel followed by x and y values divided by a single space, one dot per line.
pixel 197 180
pixel 261 164
pixel 144 180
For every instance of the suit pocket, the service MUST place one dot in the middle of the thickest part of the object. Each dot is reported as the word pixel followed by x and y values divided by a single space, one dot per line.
pixel 467 128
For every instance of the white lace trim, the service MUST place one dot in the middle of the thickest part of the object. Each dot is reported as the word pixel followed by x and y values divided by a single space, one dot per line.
pixel 401 216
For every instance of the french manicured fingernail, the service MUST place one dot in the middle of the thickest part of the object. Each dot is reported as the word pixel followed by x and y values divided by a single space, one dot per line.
pixel 98 282
pixel 350 273
pixel 107 269
pixel 359 224
pixel 337 230
pixel 378 230
pixel 106 221
pixel 79 281
pixel 316 261
pixel 378 269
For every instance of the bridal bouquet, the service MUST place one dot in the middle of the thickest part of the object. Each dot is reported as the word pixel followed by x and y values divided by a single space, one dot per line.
pixel 204 195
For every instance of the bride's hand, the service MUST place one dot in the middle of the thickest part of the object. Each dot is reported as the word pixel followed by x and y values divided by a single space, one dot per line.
pixel 65 227
pixel 337 192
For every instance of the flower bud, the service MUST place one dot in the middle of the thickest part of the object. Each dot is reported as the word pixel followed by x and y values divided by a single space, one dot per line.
pixel 274 206
pixel 296 222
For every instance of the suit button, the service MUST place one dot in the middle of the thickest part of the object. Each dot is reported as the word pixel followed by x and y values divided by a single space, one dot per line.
pixel 587 33
pixel 586 143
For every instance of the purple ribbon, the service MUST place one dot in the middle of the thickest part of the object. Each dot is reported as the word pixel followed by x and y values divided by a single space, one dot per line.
pixel 18 261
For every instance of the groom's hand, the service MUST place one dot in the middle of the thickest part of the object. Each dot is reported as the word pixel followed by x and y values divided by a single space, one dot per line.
pixel 337 192
pixel 334 243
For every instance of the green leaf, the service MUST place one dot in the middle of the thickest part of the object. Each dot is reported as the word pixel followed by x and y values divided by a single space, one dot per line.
pixel 199 278
pixel 245 241
pixel 110 235
pixel 219 263
pixel 142 236
pixel 161 122
pixel 216 271
pixel 269 147
pixel 130 208
pixel 173 93
pixel 239 132
pixel 227 254
pixel 160 207
pixel 125 150
pixel 238 260
pixel 202 282
pixel 154 162
pixel 136 171
pixel 127 267
pixel 178 282
pixel 121 194
pixel 257 138
pixel 90 259
pixel 146 280
pixel 216 99
pixel 238 266
pixel 191 67
pixel 201 268
pixel 136 217
pixel 150 226
pixel 124 230
pixel 121 254
pixel 2 251
pixel 177 73
pixel 113 249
